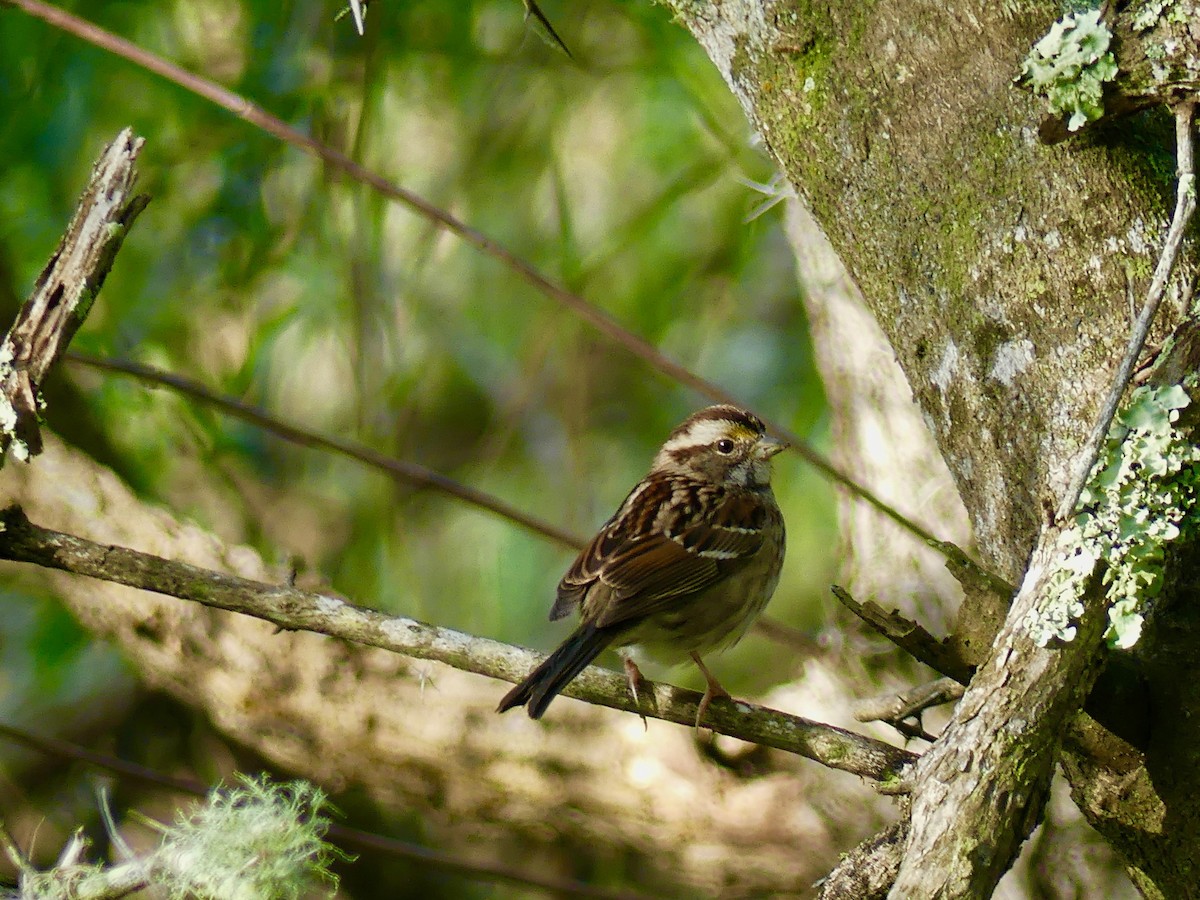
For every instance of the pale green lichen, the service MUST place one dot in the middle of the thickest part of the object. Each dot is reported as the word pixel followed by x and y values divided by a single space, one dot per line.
pixel 1070 65
pixel 8 414
pixel 1137 501
pixel 258 841
pixel 1148 14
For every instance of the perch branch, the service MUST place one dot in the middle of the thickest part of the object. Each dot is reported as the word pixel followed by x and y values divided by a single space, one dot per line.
pixel 64 292
pixel 289 608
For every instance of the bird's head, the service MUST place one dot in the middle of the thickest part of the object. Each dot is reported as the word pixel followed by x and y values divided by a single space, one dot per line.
pixel 720 444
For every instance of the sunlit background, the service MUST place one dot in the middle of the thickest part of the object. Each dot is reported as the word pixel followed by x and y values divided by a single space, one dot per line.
pixel 627 174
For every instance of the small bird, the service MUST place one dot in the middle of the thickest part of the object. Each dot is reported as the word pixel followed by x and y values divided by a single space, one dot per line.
pixel 682 568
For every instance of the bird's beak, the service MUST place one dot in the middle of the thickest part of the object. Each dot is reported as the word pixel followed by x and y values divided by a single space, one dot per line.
pixel 769 446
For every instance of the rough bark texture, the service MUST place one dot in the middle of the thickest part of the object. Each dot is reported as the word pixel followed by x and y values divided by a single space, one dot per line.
pixel 1001 272
pixel 998 268
pixel 879 436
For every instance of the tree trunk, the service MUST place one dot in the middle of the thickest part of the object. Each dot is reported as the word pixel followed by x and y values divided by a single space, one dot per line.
pixel 1001 271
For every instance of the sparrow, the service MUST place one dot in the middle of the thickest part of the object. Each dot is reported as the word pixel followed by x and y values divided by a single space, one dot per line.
pixel 682 568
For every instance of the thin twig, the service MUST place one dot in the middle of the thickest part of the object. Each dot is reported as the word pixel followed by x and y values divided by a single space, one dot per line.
pixel 894 708
pixel 344 836
pixel 909 636
pixel 20 862
pixel 408 472
pixel 292 609
pixel 1185 206
pixel 593 315
pixel 405 471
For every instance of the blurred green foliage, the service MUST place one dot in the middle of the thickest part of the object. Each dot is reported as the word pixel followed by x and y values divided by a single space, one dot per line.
pixel 264 275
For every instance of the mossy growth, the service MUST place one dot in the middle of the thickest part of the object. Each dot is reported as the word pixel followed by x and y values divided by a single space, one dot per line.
pixel 1138 500
pixel 1070 65
pixel 259 840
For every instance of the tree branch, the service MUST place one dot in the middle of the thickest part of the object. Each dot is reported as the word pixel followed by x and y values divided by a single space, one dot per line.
pixel 402 470
pixel 292 609
pixel 908 636
pixel 65 291
pixel 894 708
pixel 866 872
pixel 979 791
pixel 1185 206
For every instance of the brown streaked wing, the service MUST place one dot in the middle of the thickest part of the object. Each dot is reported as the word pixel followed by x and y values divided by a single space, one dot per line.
pixel 585 570
pixel 649 574
pixel 732 532
pixel 646 571
pixel 623 528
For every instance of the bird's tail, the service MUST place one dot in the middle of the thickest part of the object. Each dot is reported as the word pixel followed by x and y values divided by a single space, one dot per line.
pixel 543 683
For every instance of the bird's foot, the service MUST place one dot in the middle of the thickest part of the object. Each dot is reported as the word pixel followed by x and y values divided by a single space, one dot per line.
pixel 636 680
pixel 712 692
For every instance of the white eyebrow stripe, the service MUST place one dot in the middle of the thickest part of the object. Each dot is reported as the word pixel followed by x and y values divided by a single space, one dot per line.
pixel 704 432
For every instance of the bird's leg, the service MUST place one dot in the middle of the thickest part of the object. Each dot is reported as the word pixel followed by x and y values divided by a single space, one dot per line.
pixel 635 678
pixel 713 690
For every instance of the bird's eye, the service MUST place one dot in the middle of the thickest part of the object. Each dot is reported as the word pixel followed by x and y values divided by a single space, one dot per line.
pixel 724 445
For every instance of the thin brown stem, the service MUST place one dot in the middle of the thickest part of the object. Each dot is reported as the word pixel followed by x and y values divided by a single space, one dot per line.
pixel 909 636
pixel 408 472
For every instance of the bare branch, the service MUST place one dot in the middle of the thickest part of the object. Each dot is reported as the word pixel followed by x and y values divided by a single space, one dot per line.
pixel 401 470
pixel 979 790
pixel 908 636
pixel 65 291
pixel 289 608
pixel 893 708
pixel 1185 206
